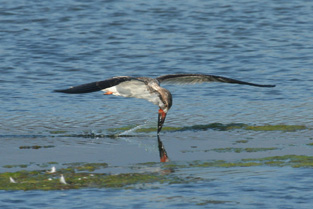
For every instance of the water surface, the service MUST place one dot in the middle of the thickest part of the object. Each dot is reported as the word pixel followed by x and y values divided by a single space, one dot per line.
pixel 46 46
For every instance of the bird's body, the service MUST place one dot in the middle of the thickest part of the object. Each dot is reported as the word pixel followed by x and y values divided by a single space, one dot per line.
pixel 142 88
pixel 150 89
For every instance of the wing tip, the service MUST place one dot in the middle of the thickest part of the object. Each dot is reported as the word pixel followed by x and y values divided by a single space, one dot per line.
pixel 269 86
pixel 59 90
pixel 68 91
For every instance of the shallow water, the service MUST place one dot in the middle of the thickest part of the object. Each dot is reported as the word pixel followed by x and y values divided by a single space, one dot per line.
pixel 46 46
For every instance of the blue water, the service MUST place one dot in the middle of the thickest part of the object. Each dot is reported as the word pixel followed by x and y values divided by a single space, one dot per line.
pixel 50 45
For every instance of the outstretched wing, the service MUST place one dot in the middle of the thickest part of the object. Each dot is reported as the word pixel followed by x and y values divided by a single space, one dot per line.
pixel 95 86
pixel 119 86
pixel 200 78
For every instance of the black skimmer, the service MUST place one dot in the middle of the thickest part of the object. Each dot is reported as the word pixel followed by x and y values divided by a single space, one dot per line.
pixel 150 89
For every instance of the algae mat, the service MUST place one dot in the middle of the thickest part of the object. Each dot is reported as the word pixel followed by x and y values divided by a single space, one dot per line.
pixel 216 126
pixel 76 177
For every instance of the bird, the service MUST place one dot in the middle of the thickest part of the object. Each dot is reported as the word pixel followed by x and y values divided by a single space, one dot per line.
pixel 12 180
pixel 62 179
pixel 53 170
pixel 150 89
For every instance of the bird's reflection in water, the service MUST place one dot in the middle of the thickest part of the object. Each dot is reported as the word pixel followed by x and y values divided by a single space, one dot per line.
pixel 163 154
pixel 164 158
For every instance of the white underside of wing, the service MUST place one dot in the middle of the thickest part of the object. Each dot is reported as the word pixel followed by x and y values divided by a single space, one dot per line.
pixel 135 88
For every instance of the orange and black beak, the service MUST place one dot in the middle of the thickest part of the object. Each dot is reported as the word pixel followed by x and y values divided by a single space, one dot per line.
pixel 161 119
pixel 163 155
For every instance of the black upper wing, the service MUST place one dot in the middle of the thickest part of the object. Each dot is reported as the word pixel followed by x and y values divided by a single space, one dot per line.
pixel 95 86
pixel 200 78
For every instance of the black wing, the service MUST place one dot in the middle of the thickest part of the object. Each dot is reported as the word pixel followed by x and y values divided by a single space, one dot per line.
pixel 200 78
pixel 95 86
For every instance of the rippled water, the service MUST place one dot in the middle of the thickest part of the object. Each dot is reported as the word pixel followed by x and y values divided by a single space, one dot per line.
pixel 50 45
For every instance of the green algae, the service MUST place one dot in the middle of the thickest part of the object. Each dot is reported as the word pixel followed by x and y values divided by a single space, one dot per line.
pixel 116 132
pixel 214 126
pixel 296 161
pixel 58 132
pixel 38 180
pixel 86 166
pixel 16 166
pixel 234 149
pixel 167 128
pixel 241 141
pixel 125 128
pixel 287 128
pixel 122 180
pixel 218 127
pixel 42 165
pixel 76 179
pixel 36 147
pixel 225 164
pixel 239 150
pixel 213 163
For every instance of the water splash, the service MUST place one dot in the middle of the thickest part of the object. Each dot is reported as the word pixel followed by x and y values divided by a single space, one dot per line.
pixel 131 130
